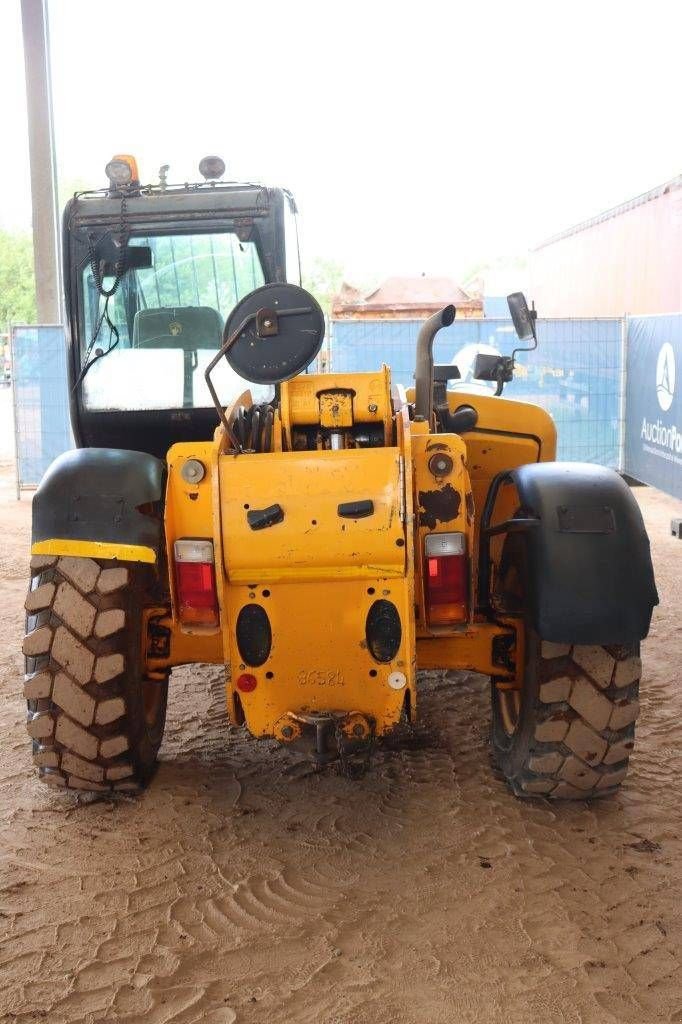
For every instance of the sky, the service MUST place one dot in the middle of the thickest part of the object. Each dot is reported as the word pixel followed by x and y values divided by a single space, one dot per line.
pixel 417 138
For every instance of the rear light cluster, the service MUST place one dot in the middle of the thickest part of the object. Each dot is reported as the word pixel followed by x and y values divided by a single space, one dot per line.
pixel 195 582
pixel 447 579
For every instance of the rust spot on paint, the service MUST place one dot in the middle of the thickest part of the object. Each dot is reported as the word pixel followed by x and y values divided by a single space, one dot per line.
pixel 470 507
pixel 439 506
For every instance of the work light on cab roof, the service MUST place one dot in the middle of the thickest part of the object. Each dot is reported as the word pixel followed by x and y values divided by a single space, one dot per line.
pixel 122 170
pixel 212 168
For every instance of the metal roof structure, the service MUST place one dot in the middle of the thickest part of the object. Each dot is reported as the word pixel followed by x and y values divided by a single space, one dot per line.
pixel 616 211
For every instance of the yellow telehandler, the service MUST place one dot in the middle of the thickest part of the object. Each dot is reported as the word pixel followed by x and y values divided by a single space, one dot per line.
pixel 324 536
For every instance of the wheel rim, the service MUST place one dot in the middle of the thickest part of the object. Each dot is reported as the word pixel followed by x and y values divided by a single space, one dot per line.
pixel 509 703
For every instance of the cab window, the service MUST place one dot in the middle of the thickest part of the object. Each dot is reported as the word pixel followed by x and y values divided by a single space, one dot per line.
pixel 162 326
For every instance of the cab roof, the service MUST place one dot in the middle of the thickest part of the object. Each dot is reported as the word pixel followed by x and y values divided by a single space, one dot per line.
pixel 206 198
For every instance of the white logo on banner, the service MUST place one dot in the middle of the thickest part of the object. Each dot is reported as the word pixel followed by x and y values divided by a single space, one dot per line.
pixel 665 376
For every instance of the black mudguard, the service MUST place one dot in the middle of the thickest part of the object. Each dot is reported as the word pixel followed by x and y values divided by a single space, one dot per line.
pixel 590 577
pixel 93 494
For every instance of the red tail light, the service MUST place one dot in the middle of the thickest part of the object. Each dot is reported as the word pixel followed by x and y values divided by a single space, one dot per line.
pixel 447 579
pixel 195 582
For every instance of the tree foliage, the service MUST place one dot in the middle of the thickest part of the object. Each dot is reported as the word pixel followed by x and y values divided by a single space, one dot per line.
pixel 17 285
pixel 323 278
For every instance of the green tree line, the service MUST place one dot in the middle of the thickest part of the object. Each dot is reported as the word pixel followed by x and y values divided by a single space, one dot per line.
pixel 17 285
pixel 323 278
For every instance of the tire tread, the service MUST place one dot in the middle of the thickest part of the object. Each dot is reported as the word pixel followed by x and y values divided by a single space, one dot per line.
pixel 581 744
pixel 79 716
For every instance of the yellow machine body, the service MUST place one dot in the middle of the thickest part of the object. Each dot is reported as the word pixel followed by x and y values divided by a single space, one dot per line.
pixel 317 573
pixel 334 536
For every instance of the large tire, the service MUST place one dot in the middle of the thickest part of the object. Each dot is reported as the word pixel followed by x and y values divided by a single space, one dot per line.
pixel 95 721
pixel 568 733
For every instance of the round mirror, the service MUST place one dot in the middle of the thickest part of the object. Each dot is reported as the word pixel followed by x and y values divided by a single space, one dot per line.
pixel 281 328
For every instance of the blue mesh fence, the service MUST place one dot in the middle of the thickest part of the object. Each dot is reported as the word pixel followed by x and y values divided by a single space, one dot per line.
pixel 41 400
pixel 576 373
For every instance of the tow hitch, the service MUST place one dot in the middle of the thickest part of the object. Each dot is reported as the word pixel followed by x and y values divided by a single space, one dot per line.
pixel 326 736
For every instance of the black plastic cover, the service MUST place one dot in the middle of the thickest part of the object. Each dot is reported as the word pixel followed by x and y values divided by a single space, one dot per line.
pixel 94 494
pixel 356 509
pixel 261 518
pixel 461 420
pixel 383 631
pixel 443 372
pixel 254 635
pixel 591 579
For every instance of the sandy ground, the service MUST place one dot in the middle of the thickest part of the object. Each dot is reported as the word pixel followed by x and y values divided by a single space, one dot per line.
pixel 242 887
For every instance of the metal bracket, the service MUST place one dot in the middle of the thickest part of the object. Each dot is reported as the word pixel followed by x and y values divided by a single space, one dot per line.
pixel 267 323
pixel 158 642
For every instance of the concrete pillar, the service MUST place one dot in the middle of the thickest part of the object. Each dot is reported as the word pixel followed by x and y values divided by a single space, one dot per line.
pixel 43 165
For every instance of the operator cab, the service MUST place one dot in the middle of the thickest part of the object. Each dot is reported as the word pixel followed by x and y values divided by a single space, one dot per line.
pixel 152 274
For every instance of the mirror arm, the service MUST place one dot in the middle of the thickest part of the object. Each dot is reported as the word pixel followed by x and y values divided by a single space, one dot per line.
pixel 225 348
pixel 227 345
pixel 531 349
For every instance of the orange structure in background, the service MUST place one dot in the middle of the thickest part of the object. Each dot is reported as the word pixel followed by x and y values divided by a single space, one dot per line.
pixel 405 298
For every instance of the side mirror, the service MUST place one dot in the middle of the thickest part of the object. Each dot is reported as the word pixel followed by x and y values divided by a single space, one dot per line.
pixel 523 318
pixel 489 367
pixel 497 368
pixel 273 333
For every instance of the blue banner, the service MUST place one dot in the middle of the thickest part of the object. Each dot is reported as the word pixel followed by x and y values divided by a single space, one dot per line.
pixel 653 426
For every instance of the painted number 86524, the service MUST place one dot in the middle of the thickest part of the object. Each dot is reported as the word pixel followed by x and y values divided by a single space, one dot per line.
pixel 320 677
